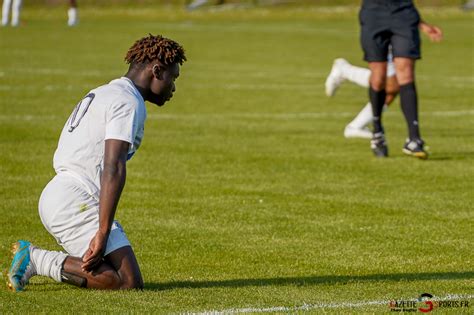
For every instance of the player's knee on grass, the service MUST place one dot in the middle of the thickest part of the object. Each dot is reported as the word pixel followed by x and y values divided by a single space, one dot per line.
pixel 110 281
pixel 130 276
pixel 131 282
pixel 123 260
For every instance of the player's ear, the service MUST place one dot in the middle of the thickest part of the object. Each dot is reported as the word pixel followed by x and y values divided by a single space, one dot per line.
pixel 157 71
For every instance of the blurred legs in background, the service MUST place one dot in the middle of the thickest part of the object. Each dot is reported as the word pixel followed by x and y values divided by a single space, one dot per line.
pixel 72 13
pixel 342 71
pixel 15 6
pixel 196 4
pixel 469 5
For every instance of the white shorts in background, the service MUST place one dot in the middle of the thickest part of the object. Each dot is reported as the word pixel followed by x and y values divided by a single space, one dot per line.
pixel 390 65
pixel 71 215
pixel 390 69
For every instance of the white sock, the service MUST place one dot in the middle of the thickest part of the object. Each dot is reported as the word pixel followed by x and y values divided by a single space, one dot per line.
pixel 47 263
pixel 16 12
pixel 358 75
pixel 364 117
pixel 6 11
pixel 72 16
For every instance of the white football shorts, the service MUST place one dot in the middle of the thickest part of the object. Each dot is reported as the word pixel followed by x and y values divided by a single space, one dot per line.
pixel 71 216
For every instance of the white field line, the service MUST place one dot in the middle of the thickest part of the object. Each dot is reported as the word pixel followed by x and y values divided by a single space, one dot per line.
pixel 276 116
pixel 308 307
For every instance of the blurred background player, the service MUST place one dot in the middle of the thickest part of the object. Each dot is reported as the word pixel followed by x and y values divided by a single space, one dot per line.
pixel 394 23
pixel 469 5
pixel 341 71
pixel 15 6
pixel 196 4
pixel 77 207
pixel 72 13
pixel 199 3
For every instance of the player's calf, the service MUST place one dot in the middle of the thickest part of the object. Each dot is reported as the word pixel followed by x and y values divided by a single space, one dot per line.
pixel 102 278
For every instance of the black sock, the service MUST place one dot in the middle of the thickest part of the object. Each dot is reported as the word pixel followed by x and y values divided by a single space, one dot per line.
pixel 409 102
pixel 377 99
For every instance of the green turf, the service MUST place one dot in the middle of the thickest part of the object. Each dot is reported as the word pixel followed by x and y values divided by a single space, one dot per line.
pixel 244 193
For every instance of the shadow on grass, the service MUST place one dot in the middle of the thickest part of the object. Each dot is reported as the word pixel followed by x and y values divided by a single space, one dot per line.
pixel 453 156
pixel 441 156
pixel 307 281
pixel 445 156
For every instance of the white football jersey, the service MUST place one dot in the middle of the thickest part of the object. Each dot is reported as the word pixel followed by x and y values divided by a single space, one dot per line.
pixel 112 111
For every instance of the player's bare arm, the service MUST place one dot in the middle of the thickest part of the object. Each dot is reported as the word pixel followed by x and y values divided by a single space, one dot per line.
pixel 112 183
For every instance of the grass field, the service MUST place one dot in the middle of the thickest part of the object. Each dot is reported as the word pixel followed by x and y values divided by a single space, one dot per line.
pixel 244 196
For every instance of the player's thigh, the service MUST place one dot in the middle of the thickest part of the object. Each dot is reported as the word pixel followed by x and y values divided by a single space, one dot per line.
pixel 71 215
pixel 126 265
pixel 374 34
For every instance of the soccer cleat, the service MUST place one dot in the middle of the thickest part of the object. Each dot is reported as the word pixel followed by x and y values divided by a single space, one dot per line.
pixel 354 132
pixel 335 78
pixel 21 269
pixel 415 148
pixel 379 145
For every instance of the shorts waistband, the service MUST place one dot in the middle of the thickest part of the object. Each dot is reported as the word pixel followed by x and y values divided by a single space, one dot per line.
pixel 387 2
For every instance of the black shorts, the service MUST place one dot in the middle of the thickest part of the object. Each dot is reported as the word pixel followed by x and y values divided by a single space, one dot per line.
pixel 385 23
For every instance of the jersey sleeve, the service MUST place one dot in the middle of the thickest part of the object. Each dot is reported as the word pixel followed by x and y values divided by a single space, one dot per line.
pixel 121 122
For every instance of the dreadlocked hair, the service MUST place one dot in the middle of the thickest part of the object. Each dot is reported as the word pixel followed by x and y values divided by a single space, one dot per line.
pixel 156 47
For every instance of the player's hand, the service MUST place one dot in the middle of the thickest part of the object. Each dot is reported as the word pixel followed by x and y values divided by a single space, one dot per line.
pixel 434 33
pixel 93 257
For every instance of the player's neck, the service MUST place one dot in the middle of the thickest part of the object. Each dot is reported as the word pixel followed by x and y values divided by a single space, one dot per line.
pixel 140 81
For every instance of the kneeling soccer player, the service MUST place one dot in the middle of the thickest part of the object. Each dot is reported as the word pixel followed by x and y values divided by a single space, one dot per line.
pixel 78 205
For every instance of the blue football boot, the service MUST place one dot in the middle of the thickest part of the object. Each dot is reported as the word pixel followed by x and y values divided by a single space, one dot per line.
pixel 21 269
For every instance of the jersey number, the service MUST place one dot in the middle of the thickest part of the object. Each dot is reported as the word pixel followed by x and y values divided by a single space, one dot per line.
pixel 79 111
